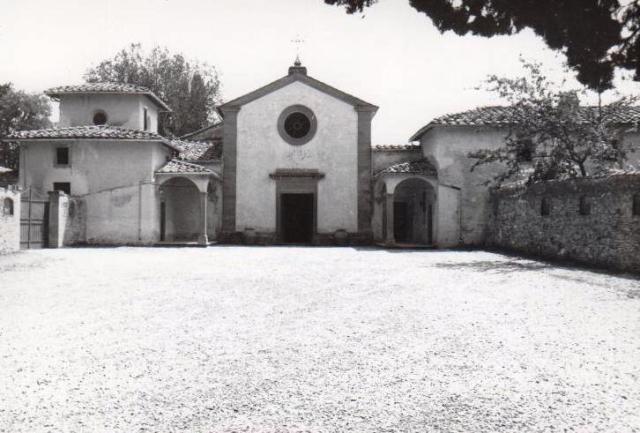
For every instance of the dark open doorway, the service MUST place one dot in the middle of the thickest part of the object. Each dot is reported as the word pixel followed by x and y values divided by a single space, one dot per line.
pixel 402 222
pixel 297 218
pixel 413 206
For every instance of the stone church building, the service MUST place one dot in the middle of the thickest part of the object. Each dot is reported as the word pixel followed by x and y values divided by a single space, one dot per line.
pixel 291 162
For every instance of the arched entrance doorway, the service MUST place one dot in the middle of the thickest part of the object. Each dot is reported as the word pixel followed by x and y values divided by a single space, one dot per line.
pixel 413 210
pixel 406 204
pixel 185 190
pixel 180 211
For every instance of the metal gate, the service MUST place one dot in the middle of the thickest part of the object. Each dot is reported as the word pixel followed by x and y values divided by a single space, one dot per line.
pixel 34 222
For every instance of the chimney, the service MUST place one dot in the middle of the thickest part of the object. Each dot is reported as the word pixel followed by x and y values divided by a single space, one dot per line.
pixel 297 67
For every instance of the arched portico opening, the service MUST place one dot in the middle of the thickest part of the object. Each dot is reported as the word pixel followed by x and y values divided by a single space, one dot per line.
pixel 180 210
pixel 406 204
pixel 185 190
pixel 413 209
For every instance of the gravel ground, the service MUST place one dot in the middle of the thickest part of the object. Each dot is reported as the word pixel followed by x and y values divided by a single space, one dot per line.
pixel 232 339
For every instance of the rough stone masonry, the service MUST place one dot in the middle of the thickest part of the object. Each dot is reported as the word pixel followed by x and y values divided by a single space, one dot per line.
pixel 595 221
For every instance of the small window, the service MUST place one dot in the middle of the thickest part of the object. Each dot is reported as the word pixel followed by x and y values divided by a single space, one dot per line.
pixel 100 118
pixel 636 204
pixel 7 207
pixel 585 206
pixel 545 207
pixel 145 119
pixel 62 156
pixel 62 186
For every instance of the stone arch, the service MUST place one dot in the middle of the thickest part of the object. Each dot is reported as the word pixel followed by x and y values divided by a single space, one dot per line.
pixel 414 205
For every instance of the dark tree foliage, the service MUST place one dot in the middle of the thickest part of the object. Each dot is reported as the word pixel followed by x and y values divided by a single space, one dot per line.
pixel 19 111
pixel 595 35
pixel 190 88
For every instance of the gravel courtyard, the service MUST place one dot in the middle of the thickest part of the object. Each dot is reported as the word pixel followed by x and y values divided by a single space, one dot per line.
pixel 233 339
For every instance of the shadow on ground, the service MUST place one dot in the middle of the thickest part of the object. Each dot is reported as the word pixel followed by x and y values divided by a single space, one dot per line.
pixel 498 266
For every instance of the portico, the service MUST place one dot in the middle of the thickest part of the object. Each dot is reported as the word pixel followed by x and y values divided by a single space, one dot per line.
pixel 407 203
pixel 185 191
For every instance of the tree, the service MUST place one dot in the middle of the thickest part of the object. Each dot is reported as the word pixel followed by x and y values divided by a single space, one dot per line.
pixel 190 88
pixel 19 111
pixel 595 35
pixel 550 135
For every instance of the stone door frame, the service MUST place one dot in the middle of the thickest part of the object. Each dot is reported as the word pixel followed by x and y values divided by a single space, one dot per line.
pixel 296 182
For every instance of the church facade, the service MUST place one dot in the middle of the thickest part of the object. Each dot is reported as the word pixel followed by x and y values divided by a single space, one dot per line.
pixel 297 163
pixel 290 163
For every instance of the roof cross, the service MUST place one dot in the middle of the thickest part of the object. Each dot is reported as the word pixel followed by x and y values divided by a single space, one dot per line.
pixel 298 41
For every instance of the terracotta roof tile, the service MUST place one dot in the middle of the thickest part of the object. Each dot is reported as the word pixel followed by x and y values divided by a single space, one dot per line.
pixel 176 166
pixel 98 88
pixel 91 132
pixel 503 116
pixel 198 150
pixel 122 88
pixel 421 166
pixel 395 147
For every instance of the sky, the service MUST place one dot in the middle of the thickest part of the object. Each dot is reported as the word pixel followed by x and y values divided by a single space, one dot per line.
pixel 390 56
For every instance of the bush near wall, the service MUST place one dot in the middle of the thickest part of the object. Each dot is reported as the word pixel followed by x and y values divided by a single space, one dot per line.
pixel 9 220
pixel 595 221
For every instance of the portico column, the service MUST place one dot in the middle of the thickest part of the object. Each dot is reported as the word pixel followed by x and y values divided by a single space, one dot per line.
pixel 390 240
pixel 204 239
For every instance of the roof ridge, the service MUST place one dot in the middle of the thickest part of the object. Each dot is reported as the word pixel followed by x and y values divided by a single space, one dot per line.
pixel 106 87
pixel 99 83
pixel 502 116
pixel 288 79
pixel 417 166
pixel 176 166
pixel 395 147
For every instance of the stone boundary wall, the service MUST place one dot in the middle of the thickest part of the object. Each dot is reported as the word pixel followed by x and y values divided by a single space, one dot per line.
pixel 9 220
pixel 594 221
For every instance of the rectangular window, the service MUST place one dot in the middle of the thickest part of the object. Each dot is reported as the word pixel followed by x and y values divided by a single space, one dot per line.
pixel 145 119
pixel 62 186
pixel 62 156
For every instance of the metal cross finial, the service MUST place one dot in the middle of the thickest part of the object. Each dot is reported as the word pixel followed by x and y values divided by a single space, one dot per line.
pixel 298 41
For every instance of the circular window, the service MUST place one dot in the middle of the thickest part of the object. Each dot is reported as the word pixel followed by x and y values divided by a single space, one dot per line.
pixel 297 124
pixel 99 118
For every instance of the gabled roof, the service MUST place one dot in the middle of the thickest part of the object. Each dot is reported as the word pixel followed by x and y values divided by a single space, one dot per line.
pixel 107 88
pixel 198 150
pixel 297 73
pixel 421 166
pixel 501 116
pixel 176 166
pixel 103 132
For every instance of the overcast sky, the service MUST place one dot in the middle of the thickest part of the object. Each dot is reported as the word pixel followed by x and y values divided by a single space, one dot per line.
pixel 392 56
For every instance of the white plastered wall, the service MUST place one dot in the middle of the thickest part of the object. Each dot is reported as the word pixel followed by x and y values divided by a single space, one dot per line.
pixel 332 151
pixel 113 178
pixel 463 196
pixel 125 111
